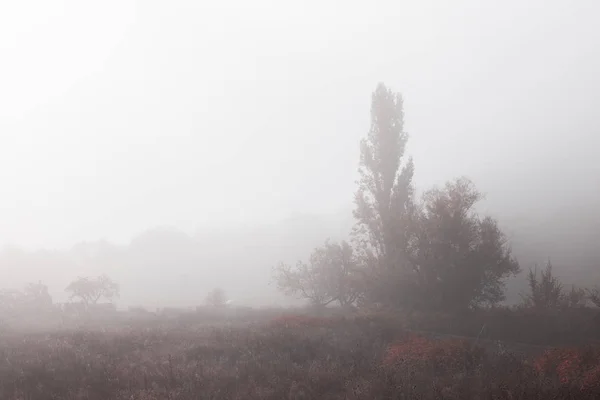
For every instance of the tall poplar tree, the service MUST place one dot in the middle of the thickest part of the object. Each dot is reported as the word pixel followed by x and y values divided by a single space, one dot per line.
pixel 384 199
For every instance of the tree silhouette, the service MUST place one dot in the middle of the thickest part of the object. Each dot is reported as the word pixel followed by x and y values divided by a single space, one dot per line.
pixel 331 275
pixel 384 199
pixel 545 290
pixel 462 260
pixel 90 290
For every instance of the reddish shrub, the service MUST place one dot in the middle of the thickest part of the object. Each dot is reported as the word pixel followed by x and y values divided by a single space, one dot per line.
pixel 572 366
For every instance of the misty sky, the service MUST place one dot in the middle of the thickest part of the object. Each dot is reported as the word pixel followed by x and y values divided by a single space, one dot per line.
pixel 116 116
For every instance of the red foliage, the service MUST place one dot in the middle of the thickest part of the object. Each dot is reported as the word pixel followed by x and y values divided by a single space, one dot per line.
pixel 572 366
pixel 591 379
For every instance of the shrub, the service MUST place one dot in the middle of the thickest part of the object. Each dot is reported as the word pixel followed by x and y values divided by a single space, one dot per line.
pixel 442 355
pixel 571 366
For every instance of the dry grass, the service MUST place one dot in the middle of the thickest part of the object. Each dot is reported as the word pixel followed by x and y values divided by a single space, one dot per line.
pixel 293 357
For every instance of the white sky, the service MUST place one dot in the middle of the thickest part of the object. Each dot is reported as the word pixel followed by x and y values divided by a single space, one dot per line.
pixel 119 115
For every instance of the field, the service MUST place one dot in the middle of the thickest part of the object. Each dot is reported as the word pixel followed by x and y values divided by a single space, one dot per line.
pixel 284 357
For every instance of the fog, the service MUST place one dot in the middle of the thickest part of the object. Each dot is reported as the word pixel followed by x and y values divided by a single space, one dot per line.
pixel 237 126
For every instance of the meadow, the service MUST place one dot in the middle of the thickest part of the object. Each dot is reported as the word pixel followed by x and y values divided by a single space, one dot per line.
pixel 284 355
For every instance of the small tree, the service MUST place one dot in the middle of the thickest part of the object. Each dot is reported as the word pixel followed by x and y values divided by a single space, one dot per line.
pixel 330 276
pixel 575 298
pixel 90 290
pixel 216 298
pixel 546 291
pixel 594 296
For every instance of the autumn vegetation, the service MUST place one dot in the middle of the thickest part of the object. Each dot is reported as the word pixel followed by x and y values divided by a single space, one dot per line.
pixel 409 307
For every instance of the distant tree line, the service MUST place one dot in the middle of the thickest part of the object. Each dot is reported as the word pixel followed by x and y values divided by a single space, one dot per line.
pixel 84 291
pixel 85 295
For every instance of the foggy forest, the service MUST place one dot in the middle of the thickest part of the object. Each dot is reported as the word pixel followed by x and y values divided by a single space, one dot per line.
pixel 267 200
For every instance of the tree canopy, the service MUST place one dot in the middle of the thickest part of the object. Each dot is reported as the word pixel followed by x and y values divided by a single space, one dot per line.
pixel 329 276
pixel 436 252
pixel 461 258
pixel 90 290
